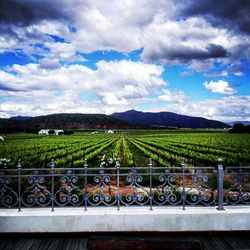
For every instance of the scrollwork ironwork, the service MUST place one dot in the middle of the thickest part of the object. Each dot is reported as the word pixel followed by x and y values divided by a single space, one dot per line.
pixel 102 192
pixel 69 193
pixel 36 193
pixel 167 192
pixel 239 191
pixel 197 190
pixel 8 197
pixel 134 193
pixel 114 186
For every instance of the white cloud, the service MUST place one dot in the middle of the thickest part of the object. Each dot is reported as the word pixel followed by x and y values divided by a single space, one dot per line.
pixel 171 41
pixel 116 84
pixel 173 96
pixel 122 26
pixel 111 99
pixel 201 66
pixel 126 26
pixel 230 108
pixel 62 51
pixel 220 87
pixel 238 73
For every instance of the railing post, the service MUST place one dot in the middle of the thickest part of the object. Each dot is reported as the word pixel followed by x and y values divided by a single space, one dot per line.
pixel 220 176
pixel 19 186
pixel 150 165
pixel 85 185
pixel 52 186
pixel 183 184
pixel 117 165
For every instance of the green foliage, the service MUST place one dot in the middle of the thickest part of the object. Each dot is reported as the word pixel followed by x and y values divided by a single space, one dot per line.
pixel 51 132
pixel 165 148
pixel 127 155
pixel 68 132
pixel 240 128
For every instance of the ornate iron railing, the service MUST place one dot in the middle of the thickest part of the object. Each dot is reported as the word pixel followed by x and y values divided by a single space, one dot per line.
pixel 119 186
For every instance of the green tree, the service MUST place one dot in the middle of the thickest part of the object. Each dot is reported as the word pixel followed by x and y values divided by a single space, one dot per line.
pixel 51 132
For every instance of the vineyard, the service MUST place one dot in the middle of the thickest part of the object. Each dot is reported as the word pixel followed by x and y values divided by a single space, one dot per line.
pixel 134 148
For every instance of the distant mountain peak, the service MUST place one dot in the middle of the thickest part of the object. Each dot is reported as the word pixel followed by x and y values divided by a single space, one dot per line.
pixel 132 111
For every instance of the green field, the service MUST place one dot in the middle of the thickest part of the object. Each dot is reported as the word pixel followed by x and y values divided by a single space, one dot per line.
pixel 134 147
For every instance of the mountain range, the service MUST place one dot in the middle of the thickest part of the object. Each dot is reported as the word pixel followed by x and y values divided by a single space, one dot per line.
pixel 246 123
pixel 128 119
pixel 167 119
pixel 61 121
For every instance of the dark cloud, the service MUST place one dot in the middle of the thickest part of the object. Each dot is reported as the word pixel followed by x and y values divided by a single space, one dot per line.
pixel 183 54
pixel 25 12
pixel 6 88
pixel 231 14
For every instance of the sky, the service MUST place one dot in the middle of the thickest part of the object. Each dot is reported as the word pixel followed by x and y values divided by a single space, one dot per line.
pixel 91 56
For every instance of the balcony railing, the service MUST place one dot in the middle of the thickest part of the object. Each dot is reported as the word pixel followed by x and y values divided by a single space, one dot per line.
pixel 121 186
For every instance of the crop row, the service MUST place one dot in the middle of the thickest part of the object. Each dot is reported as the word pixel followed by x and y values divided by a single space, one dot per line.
pixel 62 153
pixel 92 153
pixel 198 154
pixel 164 149
pixel 127 155
pixel 162 157
pixel 227 142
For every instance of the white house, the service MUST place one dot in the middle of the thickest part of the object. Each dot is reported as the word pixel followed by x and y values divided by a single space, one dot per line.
pixel 44 132
pixel 1 138
pixel 58 131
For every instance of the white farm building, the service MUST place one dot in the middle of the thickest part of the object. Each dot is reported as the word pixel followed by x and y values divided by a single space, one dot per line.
pixel 46 131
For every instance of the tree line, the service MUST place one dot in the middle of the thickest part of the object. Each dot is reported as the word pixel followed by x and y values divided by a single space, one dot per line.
pixel 240 128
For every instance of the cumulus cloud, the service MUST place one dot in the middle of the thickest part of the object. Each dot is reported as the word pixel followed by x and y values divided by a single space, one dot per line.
pixel 226 13
pixel 230 108
pixel 220 87
pixel 25 12
pixel 123 26
pixel 186 41
pixel 118 75
pixel 116 85
pixel 201 36
pixel 173 96
pixel 49 63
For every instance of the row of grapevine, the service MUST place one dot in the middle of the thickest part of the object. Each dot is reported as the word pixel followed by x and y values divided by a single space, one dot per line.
pixel 133 148
pixel 180 153
pixel 161 157
pixel 41 153
pixel 127 155
pixel 93 153
pixel 198 153
pixel 226 142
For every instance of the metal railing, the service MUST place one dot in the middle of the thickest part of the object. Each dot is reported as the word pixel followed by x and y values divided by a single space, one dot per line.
pixel 120 186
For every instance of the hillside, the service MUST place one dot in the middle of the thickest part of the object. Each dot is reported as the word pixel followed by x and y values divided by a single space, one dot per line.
pixel 128 119
pixel 167 119
pixel 64 121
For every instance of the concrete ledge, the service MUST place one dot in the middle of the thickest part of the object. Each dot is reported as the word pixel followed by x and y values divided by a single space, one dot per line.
pixel 131 219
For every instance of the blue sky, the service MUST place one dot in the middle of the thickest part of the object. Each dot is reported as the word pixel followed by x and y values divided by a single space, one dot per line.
pixel 91 56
